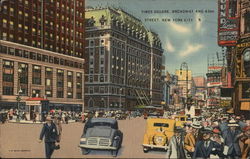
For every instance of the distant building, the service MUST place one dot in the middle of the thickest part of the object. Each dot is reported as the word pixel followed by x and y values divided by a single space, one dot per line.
pixel 123 61
pixel 199 90
pixel 41 52
pixel 214 84
pixel 184 82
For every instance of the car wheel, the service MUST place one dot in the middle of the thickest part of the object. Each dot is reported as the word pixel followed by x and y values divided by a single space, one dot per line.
pixel 85 151
pixel 114 152
pixel 145 149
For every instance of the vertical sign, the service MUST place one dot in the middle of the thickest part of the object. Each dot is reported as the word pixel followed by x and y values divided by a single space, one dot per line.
pixel 228 23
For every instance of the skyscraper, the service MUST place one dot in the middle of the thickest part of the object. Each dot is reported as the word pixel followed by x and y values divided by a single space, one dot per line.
pixel 42 49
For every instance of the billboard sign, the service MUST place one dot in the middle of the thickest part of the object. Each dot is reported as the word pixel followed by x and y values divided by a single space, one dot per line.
pixel 228 23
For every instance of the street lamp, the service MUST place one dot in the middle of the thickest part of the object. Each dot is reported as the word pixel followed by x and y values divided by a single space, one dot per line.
pixel 184 65
pixel 19 91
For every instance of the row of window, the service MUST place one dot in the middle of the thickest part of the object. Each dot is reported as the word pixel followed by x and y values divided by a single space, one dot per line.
pixel 39 57
pixel 105 89
pixel 8 76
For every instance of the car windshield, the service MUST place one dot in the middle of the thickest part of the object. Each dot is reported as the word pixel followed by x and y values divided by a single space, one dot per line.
pixel 161 125
pixel 183 119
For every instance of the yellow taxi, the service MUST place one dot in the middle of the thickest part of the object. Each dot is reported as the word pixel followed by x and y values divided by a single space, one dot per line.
pixel 158 132
pixel 180 120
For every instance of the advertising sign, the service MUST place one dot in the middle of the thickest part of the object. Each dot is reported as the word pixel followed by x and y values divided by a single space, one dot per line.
pixel 228 24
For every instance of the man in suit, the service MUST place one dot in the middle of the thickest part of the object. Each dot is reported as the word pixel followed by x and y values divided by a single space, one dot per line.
pixel 205 147
pixel 191 138
pixel 49 130
pixel 176 145
pixel 231 137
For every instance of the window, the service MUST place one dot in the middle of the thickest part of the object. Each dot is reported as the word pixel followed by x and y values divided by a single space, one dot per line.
pixel 245 90
pixel 102 51
pixel 90 78
pixel 247 22
pixel 36 76
pixel 91 61
pixel 7 90
pixel 78 85
pixel 91 52
pixel 101 78
pixel 48 71
pixel 59 94
pixel 102 61
pixel 91 43
pixel 69 95
pixel 48 93
pixel 12 11
pixel 8 71
pixel 48 82
pixel 101 70
pixel 11 24
pixel 4 23
pixel 91 70
pixel 91 90
pixel 79 95
pixel 69 84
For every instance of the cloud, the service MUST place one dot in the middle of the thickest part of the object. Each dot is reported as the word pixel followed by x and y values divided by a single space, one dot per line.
pixel 179 28
pixel 169 46
pixel 190 49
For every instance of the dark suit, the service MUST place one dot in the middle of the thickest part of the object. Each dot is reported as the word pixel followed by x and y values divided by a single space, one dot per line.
pixel 202 152
pixel 231 139
pixel 50 133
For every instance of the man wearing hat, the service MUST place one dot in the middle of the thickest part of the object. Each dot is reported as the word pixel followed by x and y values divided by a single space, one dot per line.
pixel 192 137
pixel 176 145
pixel 206 147
pixel 231 138
pixel 49 130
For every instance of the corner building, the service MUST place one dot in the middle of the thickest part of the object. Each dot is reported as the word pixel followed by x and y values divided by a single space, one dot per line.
pixel 42 48
pixel 123 61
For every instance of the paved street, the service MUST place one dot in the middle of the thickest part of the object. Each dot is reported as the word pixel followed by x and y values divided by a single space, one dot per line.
pixel 21 140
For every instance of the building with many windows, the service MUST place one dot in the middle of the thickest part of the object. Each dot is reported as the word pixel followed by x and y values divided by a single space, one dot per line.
pixel 123 59
pixel 42 48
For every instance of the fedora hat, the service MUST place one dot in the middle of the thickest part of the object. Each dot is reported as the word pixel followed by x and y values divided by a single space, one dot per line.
pixel 206 130
pixel 196 125
pixel 232 123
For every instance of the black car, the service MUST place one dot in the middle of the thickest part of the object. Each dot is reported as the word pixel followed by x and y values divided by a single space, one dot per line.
pixel 102 134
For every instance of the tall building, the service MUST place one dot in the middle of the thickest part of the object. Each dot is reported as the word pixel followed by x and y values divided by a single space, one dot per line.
pixel 42 48
pixel 199 90
pixel 123 59
pixel 184 82
pixel 235 37
pixel 240 61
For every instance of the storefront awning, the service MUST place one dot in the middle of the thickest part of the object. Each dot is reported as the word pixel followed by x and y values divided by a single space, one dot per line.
pixel 36 99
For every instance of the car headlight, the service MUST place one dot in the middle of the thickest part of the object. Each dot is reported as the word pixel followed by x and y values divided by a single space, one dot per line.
pixel 83 140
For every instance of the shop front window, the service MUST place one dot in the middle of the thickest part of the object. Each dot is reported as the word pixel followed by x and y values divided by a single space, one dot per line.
pixel 246 90
pixel 246 58
pixel 247 22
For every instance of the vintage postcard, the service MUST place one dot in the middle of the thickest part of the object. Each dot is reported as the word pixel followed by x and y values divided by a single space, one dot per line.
pixel 125 79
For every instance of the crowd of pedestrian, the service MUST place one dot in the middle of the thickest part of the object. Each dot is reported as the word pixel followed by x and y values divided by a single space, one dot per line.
pixel 212 137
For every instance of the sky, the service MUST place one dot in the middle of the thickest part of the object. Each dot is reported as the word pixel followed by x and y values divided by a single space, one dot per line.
pixel 186 37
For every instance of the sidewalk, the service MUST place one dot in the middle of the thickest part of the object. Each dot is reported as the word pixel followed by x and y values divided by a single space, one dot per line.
pixel 31 122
